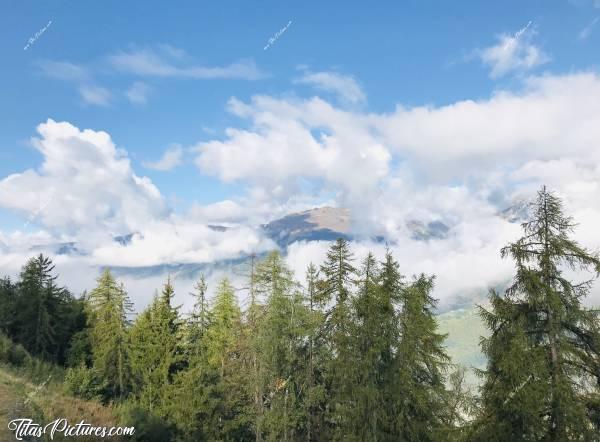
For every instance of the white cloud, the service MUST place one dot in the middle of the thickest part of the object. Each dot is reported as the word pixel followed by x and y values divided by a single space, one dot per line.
pixel 138 93
pixel 80 75
pixel 292 143
pixel 166 61
pixel 159 61
pixel 551 116
pixel 89 194
pixel 93 188
pixel 458 163
pixel 64 70
pixel 513 53
pixel 357 156
pixel 95 95
pixel 181 241
pixel 172 158
pixel 344 86
pixel 222 212
pixel 587 31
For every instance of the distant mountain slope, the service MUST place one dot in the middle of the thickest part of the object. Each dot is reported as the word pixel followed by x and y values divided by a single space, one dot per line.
pixel 464 328
pixel 330 223
pixel 518 212
pixel 318 224
pixel 324 224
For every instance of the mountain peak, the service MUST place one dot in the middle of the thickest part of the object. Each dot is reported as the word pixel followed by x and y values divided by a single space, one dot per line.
pixel 321 223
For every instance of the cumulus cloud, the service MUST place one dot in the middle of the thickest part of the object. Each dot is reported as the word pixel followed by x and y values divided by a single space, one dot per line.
pixel 172 158
pixel 85 193
pixel 513 53
pixel 90 182
pixel 291 144
pixel 538 122
pixel 344 86
pixel 459 164
pixel 358 157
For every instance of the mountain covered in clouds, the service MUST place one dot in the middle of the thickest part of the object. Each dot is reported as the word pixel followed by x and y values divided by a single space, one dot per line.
pixel 518 212
pixel 318 224
pixel 330 223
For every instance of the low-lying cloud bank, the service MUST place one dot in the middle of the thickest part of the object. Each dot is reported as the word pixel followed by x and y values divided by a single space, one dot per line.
pixel 460 164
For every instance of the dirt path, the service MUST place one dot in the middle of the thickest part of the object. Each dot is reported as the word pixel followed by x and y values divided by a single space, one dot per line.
pixel 12 403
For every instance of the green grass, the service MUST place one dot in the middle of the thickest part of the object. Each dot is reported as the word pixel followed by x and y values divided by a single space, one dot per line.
pixel 45 402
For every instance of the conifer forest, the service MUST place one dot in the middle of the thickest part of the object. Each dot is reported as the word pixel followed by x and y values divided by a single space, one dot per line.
pixel 351 352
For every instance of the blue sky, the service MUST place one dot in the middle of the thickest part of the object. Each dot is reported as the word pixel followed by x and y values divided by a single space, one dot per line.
pixel 408 52
pixel 424 110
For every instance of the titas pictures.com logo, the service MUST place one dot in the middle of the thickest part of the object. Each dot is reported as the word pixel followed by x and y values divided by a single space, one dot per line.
pixel 28 428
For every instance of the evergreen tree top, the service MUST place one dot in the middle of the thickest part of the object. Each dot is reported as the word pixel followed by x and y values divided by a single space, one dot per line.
pixel 546 241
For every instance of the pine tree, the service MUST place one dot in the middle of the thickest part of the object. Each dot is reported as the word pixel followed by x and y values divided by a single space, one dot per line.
pixel 543 374
pixel 340 377
pixel 155 350
pixel 391 297
pixel 316 400
pixel 250 348
pixel 229 398
pixel 281 340
pixel 199 319
pixel 71 325
pixel 377 338
pixel 41 323
pixel 8 299
pixel 421 363
pixel 109 307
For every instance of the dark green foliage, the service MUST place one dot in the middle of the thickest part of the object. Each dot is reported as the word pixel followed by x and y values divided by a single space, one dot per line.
pixel 8 296
pixel 372 345
pixel 543 371
pixel 82 382
pixel 155 351
pixel 108 308
pixel 39 304
pixel 11 353
pixel 38 314
pixel 420 391
pixel 148 427
pixel 15 357
pixel 199 319
pixel 80 350
pixel 338 277
pixel 376 341
pixel 281 343
pixel 229 400
pixel 315 396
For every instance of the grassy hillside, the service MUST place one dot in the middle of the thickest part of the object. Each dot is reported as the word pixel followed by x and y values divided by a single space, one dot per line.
pixel 32 389
pixel 44 402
